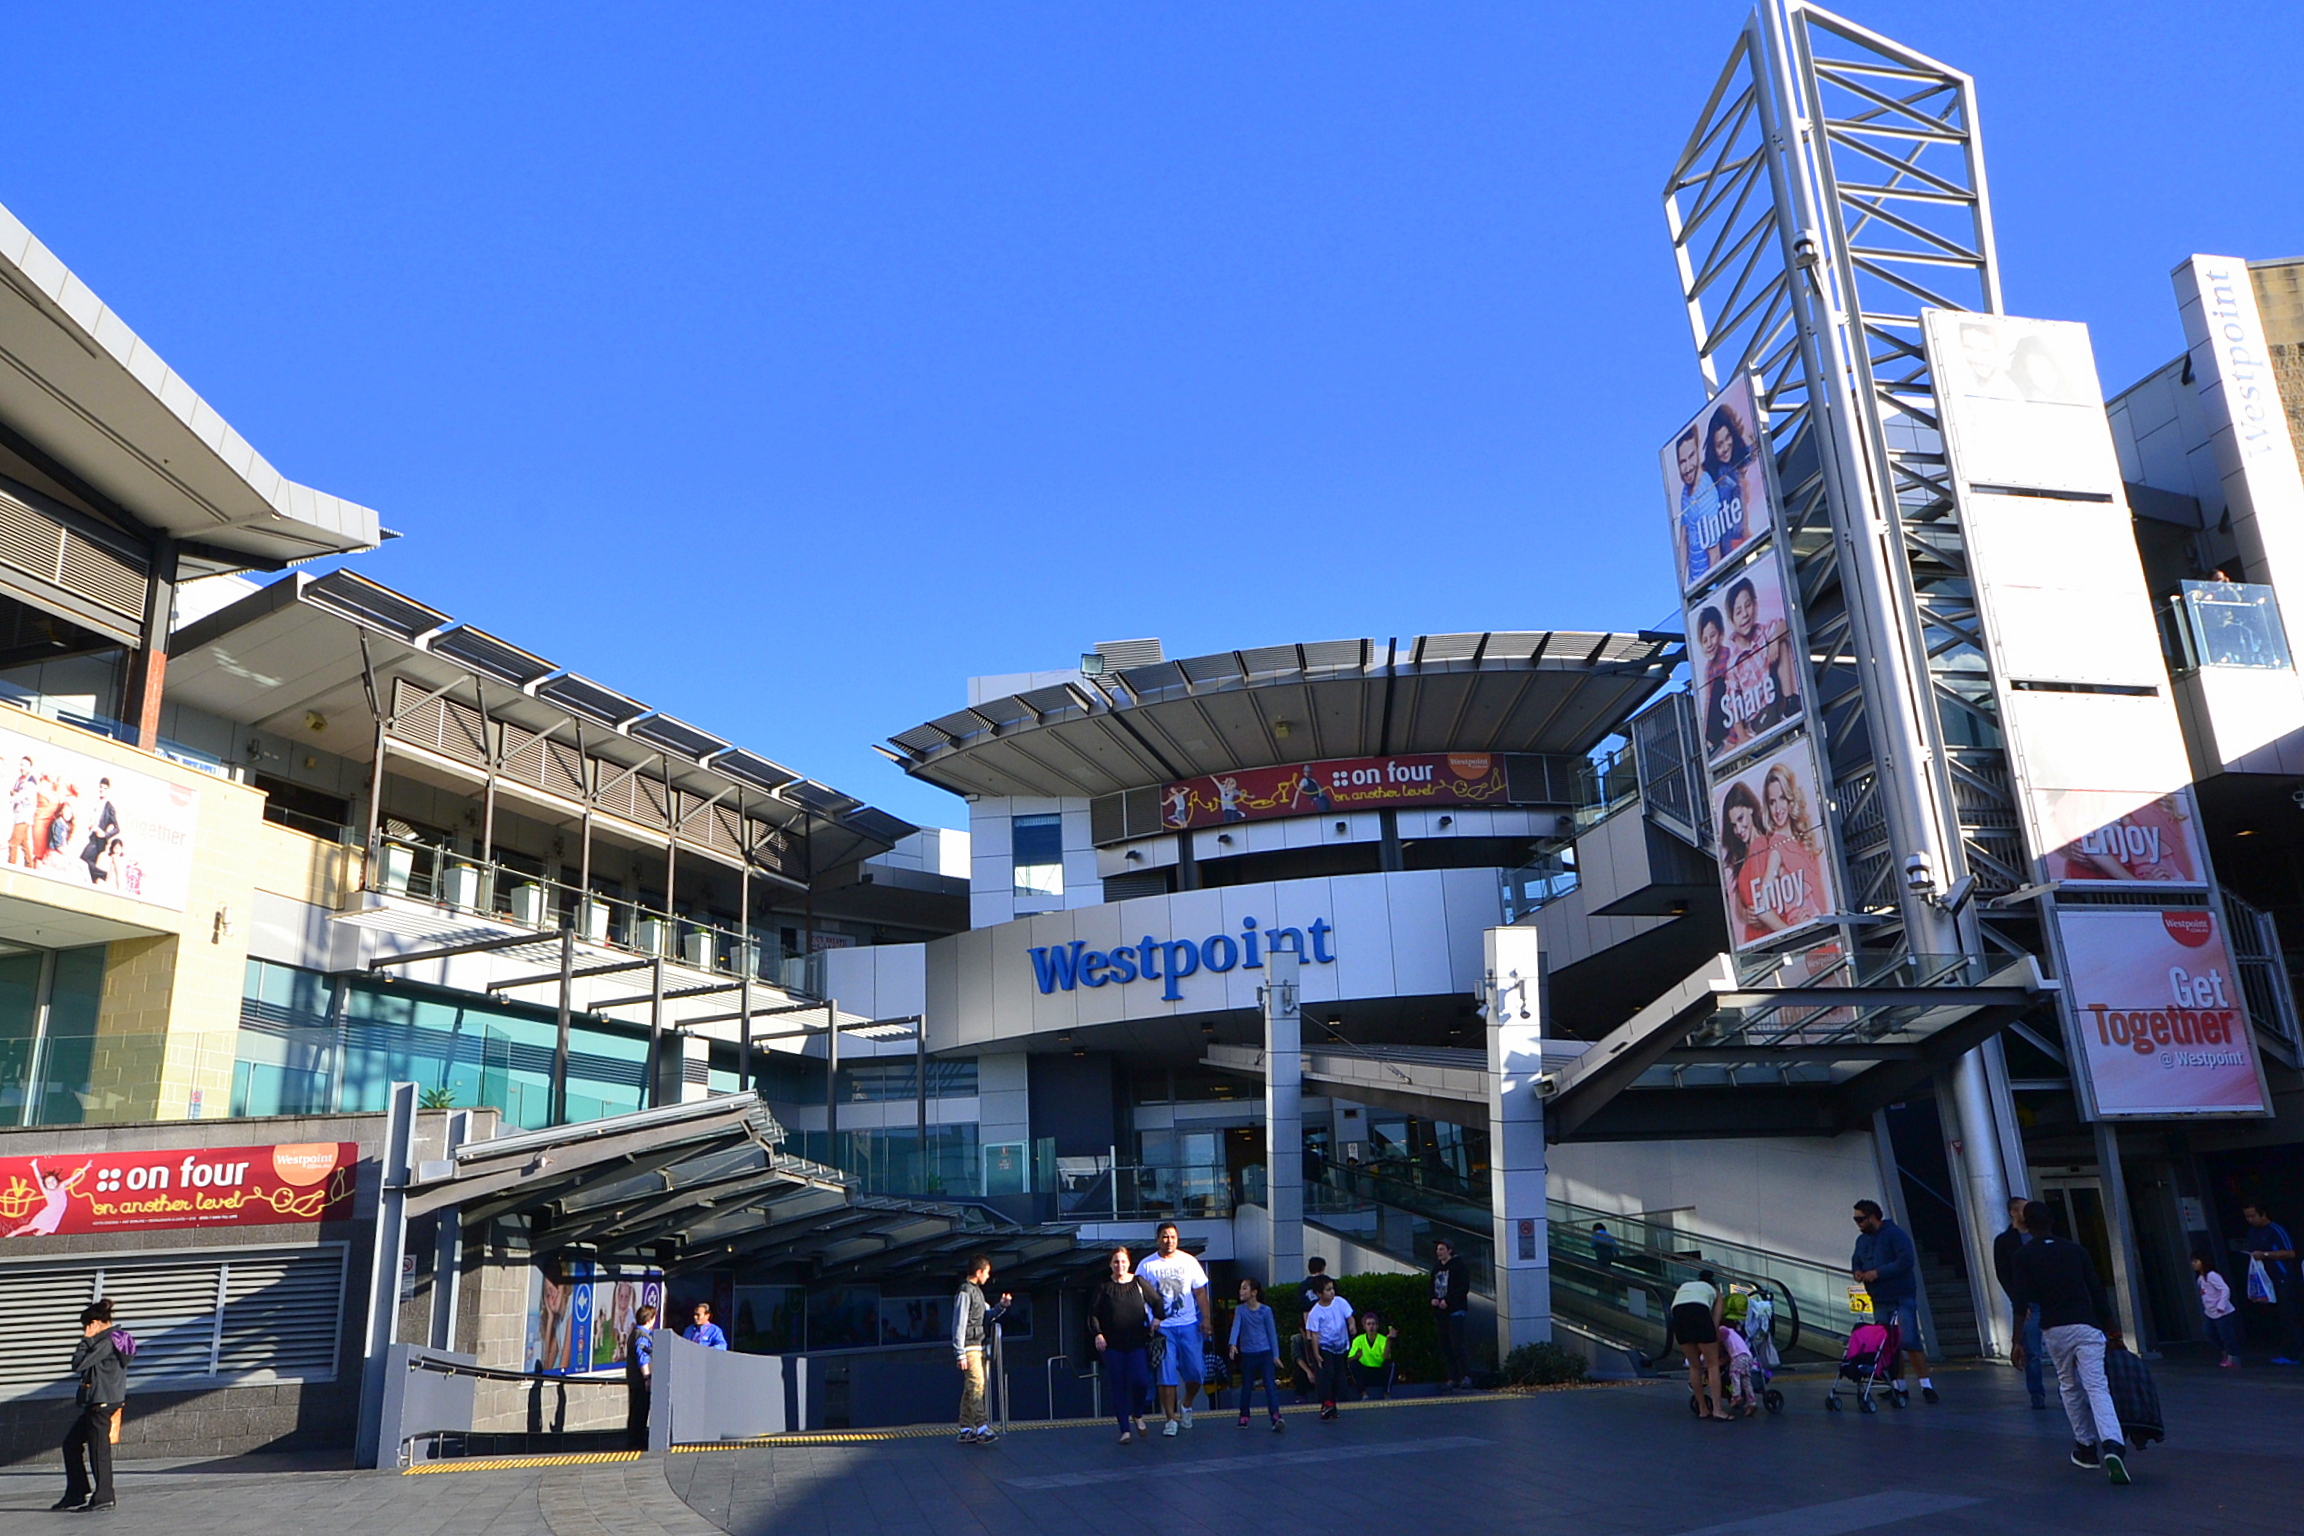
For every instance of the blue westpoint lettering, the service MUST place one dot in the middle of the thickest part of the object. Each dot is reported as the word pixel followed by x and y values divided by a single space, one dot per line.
pixel 1169 961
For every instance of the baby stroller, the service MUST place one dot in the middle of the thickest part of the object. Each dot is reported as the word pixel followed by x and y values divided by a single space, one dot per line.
pixel 1759 1325
pixel 1870 1363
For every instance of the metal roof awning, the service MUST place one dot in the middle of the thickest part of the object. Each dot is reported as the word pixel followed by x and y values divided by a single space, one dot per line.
pixel 89 394
pixel 298 658
pixel 1714 1056
pixel 694 1185
pixel 1557 692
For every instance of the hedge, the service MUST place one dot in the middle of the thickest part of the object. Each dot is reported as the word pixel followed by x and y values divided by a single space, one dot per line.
pixel 1401 1301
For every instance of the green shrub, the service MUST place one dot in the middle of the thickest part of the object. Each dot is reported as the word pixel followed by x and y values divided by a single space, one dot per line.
pixel 1402 1301
pixel 1542 1365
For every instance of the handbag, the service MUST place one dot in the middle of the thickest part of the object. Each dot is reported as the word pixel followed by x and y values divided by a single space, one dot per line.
pixel 2259 1281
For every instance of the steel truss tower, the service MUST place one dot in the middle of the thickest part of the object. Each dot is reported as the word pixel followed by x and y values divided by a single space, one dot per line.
pixel 1833 187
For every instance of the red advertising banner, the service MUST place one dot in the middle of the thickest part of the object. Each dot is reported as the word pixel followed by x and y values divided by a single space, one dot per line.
pixel 1340 784
pixel 184 1187
pixel 2161 1021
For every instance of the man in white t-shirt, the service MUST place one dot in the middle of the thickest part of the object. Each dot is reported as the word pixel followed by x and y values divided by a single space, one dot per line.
pixel 1183 1289
pixel 1329 1327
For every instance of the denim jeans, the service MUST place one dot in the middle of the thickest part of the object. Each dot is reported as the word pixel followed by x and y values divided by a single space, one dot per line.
pixel 2027 1328
pixel 1128 1378
pixel 1255 1366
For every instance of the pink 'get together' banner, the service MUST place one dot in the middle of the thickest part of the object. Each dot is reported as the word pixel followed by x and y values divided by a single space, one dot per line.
pixel 2161 1018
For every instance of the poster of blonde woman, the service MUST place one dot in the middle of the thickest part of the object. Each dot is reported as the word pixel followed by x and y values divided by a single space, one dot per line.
pixel 1776 858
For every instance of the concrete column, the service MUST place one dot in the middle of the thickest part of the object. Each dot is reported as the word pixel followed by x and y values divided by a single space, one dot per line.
pixel 1523 1263
pixel 1283 1119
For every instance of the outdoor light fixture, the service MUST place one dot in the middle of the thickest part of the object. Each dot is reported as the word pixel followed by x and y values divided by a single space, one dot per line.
pixel 1919 873
pixel 1281 728
pixel 1225 838
pixel 1447 821
pixel 1091 664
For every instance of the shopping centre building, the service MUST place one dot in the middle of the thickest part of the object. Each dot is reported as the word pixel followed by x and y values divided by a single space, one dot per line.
pixel 379 997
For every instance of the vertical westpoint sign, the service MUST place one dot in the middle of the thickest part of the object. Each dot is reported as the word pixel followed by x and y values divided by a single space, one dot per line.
pixel 1169 961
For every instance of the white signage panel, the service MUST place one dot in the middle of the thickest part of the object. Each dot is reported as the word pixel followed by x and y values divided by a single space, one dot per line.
pixel 2020 402
pixel 2232 371
pixel 2158 1015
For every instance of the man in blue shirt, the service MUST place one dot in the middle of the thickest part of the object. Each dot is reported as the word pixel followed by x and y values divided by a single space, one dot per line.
pixel 703 1330
pixel 1889 1266
pixel 2268 1242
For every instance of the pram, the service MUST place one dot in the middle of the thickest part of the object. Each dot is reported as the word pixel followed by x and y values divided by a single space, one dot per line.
pixel 1869 1363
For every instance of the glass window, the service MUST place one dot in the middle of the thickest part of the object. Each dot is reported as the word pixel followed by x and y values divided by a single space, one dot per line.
pixel 1038 845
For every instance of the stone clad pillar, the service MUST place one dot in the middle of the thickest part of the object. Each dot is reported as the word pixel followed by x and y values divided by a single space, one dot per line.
pixel 1523 1265
pixel 1283 1119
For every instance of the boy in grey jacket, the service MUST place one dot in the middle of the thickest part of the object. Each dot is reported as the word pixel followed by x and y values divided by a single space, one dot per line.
pixel 103 1371
pixel 972 1317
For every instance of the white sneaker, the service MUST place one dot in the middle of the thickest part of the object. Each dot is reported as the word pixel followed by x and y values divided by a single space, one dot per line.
pixel 1187 1415
pixel 1169 1429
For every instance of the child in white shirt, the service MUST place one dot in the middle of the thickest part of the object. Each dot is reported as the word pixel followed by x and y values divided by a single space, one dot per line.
pixel 2223 1317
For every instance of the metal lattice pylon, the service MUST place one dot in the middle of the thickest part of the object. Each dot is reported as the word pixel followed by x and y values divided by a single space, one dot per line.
pixel 1833 188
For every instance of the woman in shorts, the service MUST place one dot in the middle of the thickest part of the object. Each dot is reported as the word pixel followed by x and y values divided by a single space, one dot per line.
pixel 1696 1329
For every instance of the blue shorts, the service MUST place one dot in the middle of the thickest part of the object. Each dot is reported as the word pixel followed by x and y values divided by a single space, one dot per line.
pixel 1181 1359
pixel 1904 1316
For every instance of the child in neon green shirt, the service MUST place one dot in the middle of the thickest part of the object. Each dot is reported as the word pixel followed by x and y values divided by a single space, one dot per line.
pixel 1372 1367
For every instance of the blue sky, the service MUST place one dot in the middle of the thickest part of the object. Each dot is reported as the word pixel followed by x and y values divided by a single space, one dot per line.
pixel 785 365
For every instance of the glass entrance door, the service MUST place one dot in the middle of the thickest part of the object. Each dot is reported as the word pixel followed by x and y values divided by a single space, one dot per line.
pixel 2078 1201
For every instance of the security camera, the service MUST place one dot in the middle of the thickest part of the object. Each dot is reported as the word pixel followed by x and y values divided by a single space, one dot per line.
pixel 1919 873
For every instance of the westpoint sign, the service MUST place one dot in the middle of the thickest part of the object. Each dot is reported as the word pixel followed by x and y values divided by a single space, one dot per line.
pixel 1169 961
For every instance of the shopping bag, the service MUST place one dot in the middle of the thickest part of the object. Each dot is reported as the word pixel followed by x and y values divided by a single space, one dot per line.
pixel 2259 1281
pixel 117 1415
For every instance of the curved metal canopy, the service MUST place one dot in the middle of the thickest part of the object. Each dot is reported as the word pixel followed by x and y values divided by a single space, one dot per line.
pixel 1555 691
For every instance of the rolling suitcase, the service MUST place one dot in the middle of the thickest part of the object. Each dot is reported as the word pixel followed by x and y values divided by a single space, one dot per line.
pixel 2134 1398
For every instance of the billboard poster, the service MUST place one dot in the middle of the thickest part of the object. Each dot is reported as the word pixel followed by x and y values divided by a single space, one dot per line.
pixel 616 1305
pixel 1747 670
pixel 2158 1012
pixel 85 823
pixel 1716 485
pixel 2120 837
pixel 70 1193
pixel 1775 855
pixel 1339 784
pixel 2021 403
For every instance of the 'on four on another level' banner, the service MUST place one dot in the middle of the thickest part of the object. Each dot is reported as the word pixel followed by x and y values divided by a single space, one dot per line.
pixel 1349 783
pixel 74 1192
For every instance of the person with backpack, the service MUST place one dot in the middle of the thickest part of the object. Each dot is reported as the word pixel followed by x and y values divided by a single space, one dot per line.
pixel 101 1363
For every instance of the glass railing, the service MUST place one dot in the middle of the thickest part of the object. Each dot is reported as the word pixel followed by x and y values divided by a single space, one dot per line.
pixel 2223 624
pixel 421 872
pixel 1089 1190
pixel 1605 785
pixel 1534 885
pixel 49 708
pixel 1636 1275
pixel 82 1079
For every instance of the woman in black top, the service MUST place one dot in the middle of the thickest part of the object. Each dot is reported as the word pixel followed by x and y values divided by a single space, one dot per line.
pixel 1123 1315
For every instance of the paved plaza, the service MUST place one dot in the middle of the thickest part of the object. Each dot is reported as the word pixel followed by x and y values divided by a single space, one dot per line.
pixel 1608 1461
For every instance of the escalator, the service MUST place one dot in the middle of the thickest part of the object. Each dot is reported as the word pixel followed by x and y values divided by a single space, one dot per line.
pixel 1619 1295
